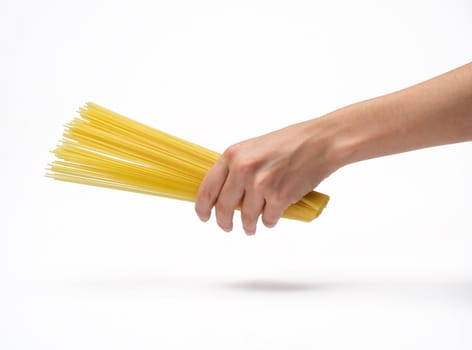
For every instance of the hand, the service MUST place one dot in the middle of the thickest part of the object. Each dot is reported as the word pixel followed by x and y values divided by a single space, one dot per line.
pixel 266 174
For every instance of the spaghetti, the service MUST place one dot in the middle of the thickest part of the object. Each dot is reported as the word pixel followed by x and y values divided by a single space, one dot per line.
pixel 103 148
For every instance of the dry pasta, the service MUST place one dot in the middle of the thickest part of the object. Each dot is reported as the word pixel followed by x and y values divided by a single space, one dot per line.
pixel 104 148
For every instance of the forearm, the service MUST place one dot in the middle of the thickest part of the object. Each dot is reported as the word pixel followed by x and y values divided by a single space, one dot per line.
pixel 265 174
pixel 436 112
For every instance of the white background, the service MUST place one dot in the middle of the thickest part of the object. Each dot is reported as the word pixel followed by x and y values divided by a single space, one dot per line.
pixel 387 266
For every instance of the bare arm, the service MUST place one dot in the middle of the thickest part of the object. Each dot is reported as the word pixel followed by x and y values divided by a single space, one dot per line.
pixel 268 173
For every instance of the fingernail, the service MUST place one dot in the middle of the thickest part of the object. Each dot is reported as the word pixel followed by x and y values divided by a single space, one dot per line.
pixel 227 229
pixel 204 218
pixel 250 231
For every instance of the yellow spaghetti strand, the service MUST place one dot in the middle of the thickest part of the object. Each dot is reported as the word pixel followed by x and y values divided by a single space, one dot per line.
pixel 103 148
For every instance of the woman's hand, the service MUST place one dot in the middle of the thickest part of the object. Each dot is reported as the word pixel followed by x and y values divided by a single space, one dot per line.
pixel 266 174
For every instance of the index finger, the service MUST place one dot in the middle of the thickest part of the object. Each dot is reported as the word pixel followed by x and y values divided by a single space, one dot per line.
pixel 210 188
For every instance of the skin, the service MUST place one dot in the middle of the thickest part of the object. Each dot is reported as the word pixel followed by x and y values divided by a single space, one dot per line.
pixel 259 173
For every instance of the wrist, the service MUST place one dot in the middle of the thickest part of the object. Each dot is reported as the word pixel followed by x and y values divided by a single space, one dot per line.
pixel 353 132
pixel 328 142
pixel 359 133
pixel 341 138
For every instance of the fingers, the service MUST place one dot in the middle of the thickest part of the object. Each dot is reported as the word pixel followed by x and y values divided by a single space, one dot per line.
pixel 228 200
pixel 273 210
pixel 251 209
pixel 210 189
pixel 220 189
pixel 239 178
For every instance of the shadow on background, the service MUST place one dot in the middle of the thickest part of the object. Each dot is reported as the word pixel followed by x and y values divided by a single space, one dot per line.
pixel 279 286
pixel 458 289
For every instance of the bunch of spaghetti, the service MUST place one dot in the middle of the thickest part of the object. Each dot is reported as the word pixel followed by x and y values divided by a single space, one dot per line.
pixel 103 148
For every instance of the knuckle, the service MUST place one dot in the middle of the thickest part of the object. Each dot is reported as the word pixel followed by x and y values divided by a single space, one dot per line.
pixel 232 151
pixel 281 198
pixel 205 195
pixel 261 182
pixel 244 165
pixel 204 201
pixel 240 162
pixel 222 209
pixel 276 203
pixel 249 217
pixel 275 199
